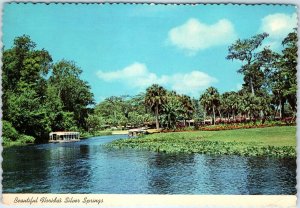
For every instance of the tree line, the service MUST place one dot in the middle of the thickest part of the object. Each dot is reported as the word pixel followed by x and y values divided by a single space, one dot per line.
pixel 156 106
pixel 268 93
pixel 270 82
pixel 40 96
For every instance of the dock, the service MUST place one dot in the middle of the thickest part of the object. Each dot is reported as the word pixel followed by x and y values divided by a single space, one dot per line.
pixel 137 132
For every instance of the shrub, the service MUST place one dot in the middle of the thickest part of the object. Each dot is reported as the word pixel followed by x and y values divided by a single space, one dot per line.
pixel 9 133
pixel 189 128
pixel 11 137
pixel 25 139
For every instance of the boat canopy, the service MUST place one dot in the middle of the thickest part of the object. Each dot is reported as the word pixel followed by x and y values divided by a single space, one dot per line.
pixel 64 135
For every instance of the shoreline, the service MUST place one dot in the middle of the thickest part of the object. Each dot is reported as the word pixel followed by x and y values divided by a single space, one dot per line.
pixel 272 141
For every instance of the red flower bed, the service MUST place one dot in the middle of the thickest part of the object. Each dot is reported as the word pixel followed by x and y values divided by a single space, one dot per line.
pixel 232 127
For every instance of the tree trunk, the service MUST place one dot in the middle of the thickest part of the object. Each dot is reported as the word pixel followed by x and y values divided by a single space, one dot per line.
pixel 156 117
pixel 220 114
pixel 214 116
pixel 280 112
pixel 282 108
pixel 251 85
pixel 251 81
pixel 276 110
pixel 261 115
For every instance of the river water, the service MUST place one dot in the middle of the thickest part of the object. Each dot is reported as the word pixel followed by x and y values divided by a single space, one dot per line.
pixel 89 167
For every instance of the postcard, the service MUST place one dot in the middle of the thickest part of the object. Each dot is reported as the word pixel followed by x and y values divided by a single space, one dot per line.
pixel 163 105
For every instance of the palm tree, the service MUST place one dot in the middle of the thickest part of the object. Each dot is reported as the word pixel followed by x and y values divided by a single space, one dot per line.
pixel 204 101
pixel 155 98
pixel 225 105
pixel 188 107
pixel 210 101
pixel 172 109
pixel 250 105
pixel 230 103
pixel 235 103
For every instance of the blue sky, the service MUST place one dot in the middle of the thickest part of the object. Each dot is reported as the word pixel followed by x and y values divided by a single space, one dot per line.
pixel 122 49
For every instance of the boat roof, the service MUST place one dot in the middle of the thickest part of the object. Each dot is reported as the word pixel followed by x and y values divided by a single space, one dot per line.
pixel 64 132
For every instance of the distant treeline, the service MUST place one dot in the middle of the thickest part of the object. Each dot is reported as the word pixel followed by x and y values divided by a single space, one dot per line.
pixel 268 93
pixel 40 96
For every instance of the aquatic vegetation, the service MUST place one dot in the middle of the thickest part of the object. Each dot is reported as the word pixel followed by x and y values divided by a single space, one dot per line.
pixel 245 142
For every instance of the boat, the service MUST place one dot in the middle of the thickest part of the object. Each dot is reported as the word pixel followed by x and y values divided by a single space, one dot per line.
pixel 64 136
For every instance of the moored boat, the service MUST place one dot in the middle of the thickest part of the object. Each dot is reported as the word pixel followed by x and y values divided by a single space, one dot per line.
pixel 64 136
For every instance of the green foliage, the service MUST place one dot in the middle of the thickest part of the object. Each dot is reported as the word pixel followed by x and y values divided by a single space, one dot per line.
pixel 22 140
pixel 210 100
pixel 73 92
pixel 154 99
pixel 199 113
pixel 135 119
pixel 249 125
pixel 246 51
pixel 119 112
pixel 269 87
pixel 11 137
pixel 95 133
pixel 280 142
pixel 9 133
pixel 269 76
pixel 26 112
pixel 25 139
pixel 95 122
pixel 115 110
pixel 39 97
pixel 173 110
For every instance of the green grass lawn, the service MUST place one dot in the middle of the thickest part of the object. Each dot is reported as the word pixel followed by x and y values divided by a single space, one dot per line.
pixel 271 141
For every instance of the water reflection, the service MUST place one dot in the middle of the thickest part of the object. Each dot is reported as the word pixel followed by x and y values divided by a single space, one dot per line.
pixel 266 172
pixel 88 167
pixel 122 171
pixel 70 168
pixel 171 173
pixel 223 174
pixel 26 169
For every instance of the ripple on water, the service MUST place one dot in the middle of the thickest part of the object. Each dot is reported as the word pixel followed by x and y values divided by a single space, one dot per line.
pixel 88 167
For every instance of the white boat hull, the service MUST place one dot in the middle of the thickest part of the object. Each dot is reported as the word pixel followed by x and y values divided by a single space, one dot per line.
pixel 64 141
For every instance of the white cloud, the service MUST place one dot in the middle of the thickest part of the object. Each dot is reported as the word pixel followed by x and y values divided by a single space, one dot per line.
pixel 278 26
pixel 191 83
pixel 195 35
pixel 138 76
